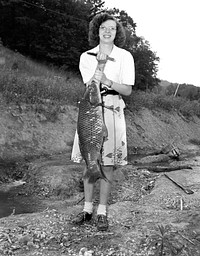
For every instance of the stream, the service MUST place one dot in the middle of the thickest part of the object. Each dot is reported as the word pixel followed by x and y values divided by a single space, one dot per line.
pixel 12 198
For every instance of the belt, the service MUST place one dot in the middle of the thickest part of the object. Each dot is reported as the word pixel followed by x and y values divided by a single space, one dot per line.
pixel 105 92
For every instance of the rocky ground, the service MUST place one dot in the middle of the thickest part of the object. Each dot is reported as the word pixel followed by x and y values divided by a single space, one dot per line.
pixel 146 210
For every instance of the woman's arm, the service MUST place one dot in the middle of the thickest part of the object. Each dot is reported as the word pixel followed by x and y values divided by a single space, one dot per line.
pixel 123 89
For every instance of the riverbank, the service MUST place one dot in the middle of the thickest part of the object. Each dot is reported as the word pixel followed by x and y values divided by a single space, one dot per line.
pixel 49 194
pixel 140 202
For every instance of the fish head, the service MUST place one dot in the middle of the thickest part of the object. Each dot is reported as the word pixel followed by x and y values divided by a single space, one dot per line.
pixel 94 93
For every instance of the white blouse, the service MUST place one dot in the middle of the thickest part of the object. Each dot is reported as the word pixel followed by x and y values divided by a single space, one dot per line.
pixel 121 71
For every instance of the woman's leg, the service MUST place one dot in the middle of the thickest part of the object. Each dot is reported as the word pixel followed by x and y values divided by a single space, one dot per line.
pixel 105 187
pixel 87 211
pixel 88 189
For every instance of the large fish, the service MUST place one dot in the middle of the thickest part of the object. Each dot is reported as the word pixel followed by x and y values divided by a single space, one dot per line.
pixel 91 131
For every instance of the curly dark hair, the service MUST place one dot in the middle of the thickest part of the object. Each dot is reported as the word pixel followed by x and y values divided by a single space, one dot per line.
pixel 96 22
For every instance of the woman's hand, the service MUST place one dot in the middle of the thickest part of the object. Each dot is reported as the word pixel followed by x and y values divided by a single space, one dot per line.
pixel 100 76
pixel 101 57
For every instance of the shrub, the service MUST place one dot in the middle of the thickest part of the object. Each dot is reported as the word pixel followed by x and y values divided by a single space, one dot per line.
pixel 141 99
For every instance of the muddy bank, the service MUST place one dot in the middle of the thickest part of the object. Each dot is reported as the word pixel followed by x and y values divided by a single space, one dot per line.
pixel 50 194
pixel 25 133
pixel 140 202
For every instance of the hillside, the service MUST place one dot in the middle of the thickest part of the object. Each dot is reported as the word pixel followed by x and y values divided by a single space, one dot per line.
pixel 164 83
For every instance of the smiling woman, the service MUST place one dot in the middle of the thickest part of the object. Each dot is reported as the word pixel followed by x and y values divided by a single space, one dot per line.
pixel 107 36
pixel 107 32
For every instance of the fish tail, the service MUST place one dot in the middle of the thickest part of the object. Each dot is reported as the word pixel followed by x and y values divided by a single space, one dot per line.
pixel 94 173
pixel 103 176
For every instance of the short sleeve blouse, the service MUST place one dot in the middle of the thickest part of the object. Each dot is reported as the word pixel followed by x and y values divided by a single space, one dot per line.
pixel 121 71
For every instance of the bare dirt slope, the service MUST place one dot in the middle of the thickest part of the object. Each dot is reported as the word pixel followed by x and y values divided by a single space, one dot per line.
pixel 145 208
pixel 154 129
pixel 24 133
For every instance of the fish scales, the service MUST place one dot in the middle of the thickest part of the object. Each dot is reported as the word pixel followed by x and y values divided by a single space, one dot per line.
pixel 91 131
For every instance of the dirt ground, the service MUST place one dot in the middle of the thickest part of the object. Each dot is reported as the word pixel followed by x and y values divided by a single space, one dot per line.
pixel 148 214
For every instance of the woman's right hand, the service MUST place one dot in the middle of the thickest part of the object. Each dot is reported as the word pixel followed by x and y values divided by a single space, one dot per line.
pixel 101 57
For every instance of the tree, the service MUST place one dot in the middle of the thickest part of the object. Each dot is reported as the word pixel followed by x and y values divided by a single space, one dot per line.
pixel 54 31
pixel 145 65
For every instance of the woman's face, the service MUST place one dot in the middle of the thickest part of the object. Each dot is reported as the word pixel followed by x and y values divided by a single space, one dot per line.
pixel 107 31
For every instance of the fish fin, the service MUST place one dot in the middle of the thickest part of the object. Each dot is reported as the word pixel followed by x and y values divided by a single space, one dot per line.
pixel 97 105
pixel 105 132
pixel 103 176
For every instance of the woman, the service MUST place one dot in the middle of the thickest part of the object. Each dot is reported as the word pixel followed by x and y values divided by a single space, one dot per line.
pixel 107 35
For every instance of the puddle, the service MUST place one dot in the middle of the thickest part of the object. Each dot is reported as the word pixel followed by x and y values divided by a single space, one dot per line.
pixel 11 202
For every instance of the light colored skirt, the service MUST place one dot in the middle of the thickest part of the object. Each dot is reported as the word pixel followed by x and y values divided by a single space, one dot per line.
pixel 114 150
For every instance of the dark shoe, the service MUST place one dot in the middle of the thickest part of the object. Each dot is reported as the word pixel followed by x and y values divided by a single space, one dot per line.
pixel 102 222
pixel 82 217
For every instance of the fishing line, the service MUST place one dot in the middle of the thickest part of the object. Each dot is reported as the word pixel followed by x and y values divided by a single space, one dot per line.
pixel 49 10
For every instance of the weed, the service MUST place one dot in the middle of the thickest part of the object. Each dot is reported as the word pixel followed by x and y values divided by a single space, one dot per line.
pixel 168 242
pixel 23 81
pixel 153 101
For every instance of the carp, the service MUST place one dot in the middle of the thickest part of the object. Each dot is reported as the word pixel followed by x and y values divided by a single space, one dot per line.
pixel 91 131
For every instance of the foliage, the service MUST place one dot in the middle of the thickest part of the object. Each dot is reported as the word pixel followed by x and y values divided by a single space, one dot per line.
pixel 140 99
pixel 23 81
pixel 186 91
pixel 54 31
pixel 145 65
pixel 168 242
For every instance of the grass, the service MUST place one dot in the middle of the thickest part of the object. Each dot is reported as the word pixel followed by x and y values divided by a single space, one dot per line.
pixel 23 81
pixel 45 89
pixel 153 101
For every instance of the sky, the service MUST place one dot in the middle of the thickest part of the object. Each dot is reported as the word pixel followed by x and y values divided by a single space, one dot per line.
pixel 172 29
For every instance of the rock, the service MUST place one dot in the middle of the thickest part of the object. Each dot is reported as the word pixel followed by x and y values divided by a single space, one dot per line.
pixel 84 252
pixel 24 239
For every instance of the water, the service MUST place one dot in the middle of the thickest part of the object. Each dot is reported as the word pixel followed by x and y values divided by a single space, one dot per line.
pixel 11 202
pixel 13 199
pixel 9 206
